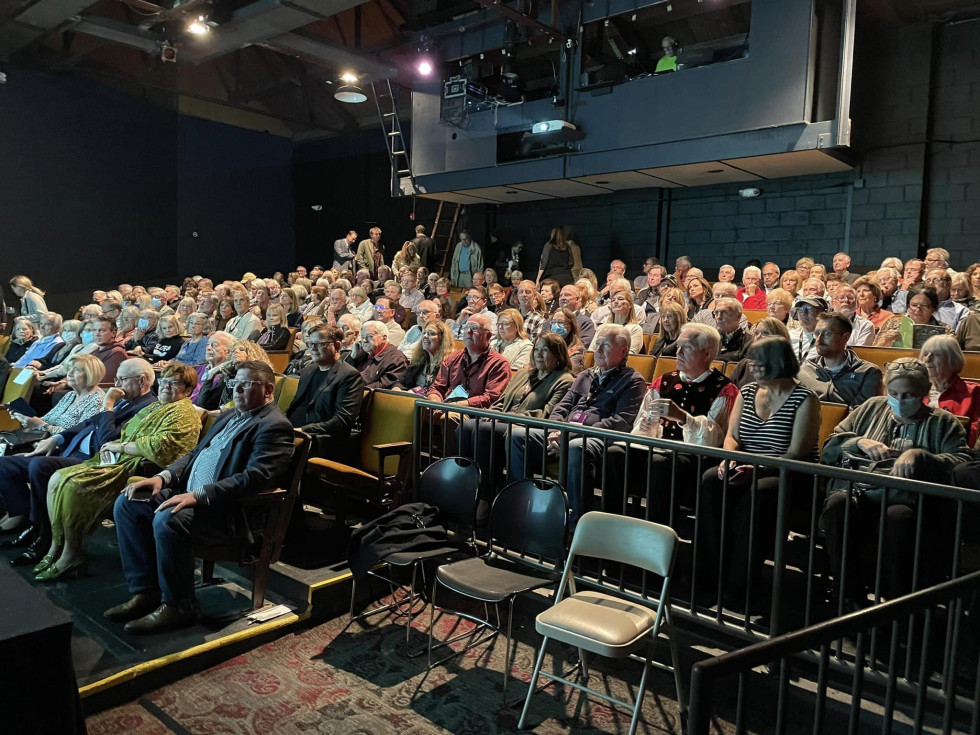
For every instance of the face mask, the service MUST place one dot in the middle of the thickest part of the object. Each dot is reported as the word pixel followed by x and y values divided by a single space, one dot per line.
pixel 560 329
pixel 143 323
pixel 88 338
pixel 157 303
pixel 904 408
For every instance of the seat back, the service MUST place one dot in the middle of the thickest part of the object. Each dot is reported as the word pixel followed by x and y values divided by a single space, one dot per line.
pixel 831 414
pixel 531 517
pixel 279 360
pixel 643 364
pixel 14 390
pixel 451 484
pixel 389 419
pixel 275 392
pixel 626 540
pixel 4 344
pixel 649 341
pixel 287 391
pixel 971 365
pixel 754 316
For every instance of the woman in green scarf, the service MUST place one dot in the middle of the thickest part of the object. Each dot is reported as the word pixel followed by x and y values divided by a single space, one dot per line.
pixel 80 496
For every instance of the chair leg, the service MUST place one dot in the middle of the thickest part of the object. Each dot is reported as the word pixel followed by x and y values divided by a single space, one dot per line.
pixel 510 621
pixel 534 683
pixel 432 618
pixel 260 579
pixel 675 661
pixel 353 594
pixel 639 695
pixel 583 665
pixel 411 604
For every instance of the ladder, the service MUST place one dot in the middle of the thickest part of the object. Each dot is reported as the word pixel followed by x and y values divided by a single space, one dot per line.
pixel 401 164
pixel 438 237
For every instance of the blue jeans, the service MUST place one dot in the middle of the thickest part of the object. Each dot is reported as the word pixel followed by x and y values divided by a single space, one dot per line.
pixel 157 549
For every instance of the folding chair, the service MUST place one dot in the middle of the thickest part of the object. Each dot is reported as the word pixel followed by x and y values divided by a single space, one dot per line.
pixel 608 625
pixel 529 518
pixel 451 484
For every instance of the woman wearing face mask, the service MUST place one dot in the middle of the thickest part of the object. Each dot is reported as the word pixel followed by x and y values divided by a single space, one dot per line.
pixel 924 443
pixel 71 338
pixel 145 336
pixel 565 325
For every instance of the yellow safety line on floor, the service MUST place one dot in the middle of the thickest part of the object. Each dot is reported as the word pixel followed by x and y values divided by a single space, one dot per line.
pixel 158 663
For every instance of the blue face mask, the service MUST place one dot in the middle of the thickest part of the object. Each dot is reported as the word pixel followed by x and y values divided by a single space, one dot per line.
pixel 88 338
pixel 560 329
pixel 157 303
pixel 143 323
pixel 904 408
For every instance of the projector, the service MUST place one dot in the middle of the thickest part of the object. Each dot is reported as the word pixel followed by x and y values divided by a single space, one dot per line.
pixel 562 127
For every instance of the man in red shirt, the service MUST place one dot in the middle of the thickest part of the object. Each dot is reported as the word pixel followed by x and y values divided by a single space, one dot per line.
pixel 477 374
pixel 751 295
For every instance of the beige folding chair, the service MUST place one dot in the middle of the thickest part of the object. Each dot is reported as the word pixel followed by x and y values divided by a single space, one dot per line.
pixel 607 625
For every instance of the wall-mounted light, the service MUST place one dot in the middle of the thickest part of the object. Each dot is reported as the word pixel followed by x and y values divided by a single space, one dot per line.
pixel 199 26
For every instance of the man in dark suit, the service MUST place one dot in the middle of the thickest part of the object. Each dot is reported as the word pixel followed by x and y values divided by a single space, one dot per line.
pixel 24 477
pixel 328 398
pixel 159 519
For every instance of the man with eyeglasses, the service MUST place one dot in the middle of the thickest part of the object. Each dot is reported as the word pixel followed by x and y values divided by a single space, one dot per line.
pixel 159 520
pixel 329 395
pixel 384 313
pixel 735 340
pixel 475 375
pixel 428 313
pixel 845 302
pixel 476 303
pixel 26 476
pixel 913 273
pixel 949 312
pixel 836 374
pixel 379 362
pixel 50 330
pixel 808 311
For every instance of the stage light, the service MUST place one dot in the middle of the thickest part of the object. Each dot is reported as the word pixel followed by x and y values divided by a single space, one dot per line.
pixel 199 27
pixel 424 67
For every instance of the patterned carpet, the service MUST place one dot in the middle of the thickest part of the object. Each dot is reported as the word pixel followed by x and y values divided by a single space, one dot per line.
pixel 328 680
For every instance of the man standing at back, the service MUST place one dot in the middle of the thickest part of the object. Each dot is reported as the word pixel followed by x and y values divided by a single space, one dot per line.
pixel 343 252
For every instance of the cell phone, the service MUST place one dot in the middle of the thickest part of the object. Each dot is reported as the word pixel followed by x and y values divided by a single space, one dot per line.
pixel 143 495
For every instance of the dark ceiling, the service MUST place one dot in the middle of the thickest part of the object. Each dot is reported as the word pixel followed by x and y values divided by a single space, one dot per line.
pixel 275 64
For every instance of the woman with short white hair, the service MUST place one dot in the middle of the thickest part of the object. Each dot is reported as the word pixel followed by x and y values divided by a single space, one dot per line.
pixel 359 305
pixel 943 359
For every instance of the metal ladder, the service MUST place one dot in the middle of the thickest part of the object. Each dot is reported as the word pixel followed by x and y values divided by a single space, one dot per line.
pixel 448 236
pixel 395 142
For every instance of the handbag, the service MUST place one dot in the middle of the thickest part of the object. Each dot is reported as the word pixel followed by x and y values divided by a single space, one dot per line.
pixel 22 440
pixel 870 489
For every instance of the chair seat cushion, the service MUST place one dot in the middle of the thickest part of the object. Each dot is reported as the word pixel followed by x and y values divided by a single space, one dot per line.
pixel 491 580
pixel 603 624
pixel 405 558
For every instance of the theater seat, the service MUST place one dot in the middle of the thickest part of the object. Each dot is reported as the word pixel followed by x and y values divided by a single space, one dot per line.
pixel 267 513
pixel 11 392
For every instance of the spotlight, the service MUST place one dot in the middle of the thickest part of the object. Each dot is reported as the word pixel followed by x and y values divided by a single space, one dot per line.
pixel 349 92
pixel 168 53
pixel 199 27
pixel 424 67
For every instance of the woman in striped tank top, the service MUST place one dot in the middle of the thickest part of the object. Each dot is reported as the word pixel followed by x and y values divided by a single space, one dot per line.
pixel 775 416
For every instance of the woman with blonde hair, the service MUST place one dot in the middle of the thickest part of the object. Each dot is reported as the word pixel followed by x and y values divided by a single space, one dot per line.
pixel 512 341
pixel 672 317
pixel 31 298
pixel 169 340
pixel 406 258
pixel 436 344
pixel 790 281
pixel 275 336
pixel 622 313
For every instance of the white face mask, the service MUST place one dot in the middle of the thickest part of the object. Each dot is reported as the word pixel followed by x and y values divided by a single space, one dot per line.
pixel 904 408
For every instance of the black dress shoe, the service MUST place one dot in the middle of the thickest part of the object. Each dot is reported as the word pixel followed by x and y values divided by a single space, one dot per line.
pixel 166 617
pixel 137 606
pixel 30 557
pixel 24 538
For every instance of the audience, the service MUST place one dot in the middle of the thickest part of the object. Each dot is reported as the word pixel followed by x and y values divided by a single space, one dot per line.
pixel 378 361
pixel 431 351
pixel 735 339
pixel 386 315
pixel 836 374
pixel 943 359
pixel 22 338
pixel 511 340
pixel 475 375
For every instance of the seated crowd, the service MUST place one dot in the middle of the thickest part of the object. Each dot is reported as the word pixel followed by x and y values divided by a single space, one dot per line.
pixel 122 385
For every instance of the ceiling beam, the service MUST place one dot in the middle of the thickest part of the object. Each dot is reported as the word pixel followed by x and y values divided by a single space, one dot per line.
pixel 313 51
pixel 36 21
pixel 117 32
pixel 525 20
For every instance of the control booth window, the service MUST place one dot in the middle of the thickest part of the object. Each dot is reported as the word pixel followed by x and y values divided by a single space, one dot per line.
pixel 664 38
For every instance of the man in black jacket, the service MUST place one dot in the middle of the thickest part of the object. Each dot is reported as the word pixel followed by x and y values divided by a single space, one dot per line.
pixel 159 519
pixel 24 477
pixel 328 398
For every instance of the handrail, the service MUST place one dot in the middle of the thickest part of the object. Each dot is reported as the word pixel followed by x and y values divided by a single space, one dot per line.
pixel 704 674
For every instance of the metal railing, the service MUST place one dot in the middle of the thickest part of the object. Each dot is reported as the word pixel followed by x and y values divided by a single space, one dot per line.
pixel 931 636
pixel 788 582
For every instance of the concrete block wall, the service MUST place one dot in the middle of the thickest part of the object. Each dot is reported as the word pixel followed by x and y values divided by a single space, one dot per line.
pixel 874 210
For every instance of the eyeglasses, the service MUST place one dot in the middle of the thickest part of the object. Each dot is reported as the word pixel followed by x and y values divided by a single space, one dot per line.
pixel 473 329
pixel 243 384
pixel 719 314
pixel 919 307
pixel 912 366
pixel 430 333
pixel 170 383
pixel 120 378
pixel 379 307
